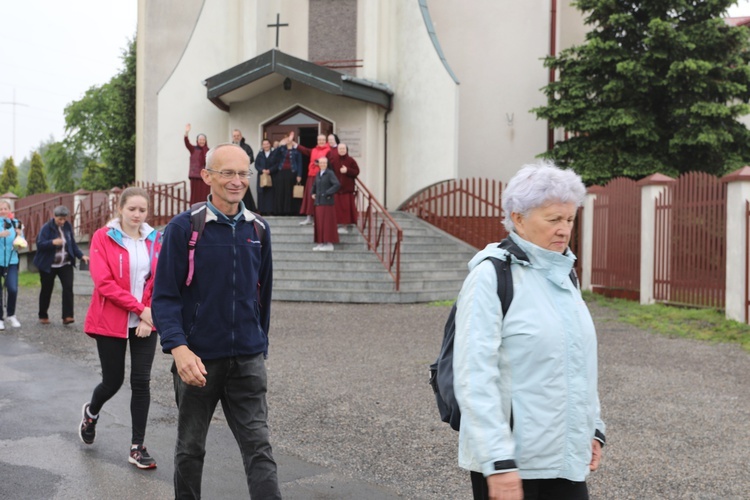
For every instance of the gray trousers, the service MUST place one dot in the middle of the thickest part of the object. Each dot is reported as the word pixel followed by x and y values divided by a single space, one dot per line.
pixel 240 384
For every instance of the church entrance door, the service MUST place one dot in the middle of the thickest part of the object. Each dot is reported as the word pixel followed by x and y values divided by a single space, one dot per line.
pixel 305 125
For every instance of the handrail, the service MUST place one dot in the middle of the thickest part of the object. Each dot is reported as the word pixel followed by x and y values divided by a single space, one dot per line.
pixel 469 209
pixel 381 232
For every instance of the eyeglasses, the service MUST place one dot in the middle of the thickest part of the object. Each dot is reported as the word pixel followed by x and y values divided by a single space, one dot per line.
pixel 229 174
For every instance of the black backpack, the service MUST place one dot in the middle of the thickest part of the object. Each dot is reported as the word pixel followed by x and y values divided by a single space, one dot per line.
pixel 197 224
pixel 441 371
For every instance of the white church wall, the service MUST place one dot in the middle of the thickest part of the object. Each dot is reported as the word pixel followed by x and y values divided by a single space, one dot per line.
pixel 496 50
pixel 422 133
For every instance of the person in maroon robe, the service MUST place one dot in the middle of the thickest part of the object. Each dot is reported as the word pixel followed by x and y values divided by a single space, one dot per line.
pixel 323 191
pixel 198 189
pixel 346 169
pixel 319 151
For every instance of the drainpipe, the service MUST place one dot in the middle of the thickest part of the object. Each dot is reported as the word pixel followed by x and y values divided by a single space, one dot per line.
pixel 552 52
pixel 385 159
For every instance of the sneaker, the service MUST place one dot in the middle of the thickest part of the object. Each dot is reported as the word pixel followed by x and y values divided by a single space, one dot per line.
pixel 14 321
pixel 2 325
pixel 140 458
pixel 307 221
pixel 343 230
pixel 317 248
pixel 87 430
pixel 328 247
pixel 67 321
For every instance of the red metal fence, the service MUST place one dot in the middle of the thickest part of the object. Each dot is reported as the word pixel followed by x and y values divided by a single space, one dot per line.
pixel 690 242
pixel 381 232
pixel 469 209
pixel 616 249
pixel 95 208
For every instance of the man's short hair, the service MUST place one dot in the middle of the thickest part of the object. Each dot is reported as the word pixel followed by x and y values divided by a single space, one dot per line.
pixel 61 211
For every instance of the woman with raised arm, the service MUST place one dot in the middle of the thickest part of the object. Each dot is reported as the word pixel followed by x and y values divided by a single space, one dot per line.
pixel 198 188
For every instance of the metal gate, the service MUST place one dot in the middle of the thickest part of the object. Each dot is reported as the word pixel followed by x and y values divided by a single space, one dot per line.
pixel 690 242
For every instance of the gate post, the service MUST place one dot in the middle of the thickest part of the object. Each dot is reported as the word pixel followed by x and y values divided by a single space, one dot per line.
pixel 738 193
pixel 651 187
pixel 587 226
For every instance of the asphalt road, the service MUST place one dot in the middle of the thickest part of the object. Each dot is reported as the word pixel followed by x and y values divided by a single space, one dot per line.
pixel 352 416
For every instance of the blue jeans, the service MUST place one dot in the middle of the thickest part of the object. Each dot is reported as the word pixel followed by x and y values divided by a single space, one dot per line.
pixel 240 384
pixel 11 284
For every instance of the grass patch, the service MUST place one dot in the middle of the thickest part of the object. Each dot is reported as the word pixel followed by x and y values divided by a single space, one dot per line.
pixel 28 279
pixel 440 303
pixel 701 324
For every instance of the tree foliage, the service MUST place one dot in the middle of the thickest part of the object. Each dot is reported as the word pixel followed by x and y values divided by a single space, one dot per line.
pixel 101 125
pixel 95 177
pixel 37 179
pixel 9 179
pixel 657 87
pixel 64 164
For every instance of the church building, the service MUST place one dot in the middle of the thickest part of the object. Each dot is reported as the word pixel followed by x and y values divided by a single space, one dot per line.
pixel 420 90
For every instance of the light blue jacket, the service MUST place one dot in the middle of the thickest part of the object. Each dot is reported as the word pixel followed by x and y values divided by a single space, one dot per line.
pixel 8 254
pixel 540 361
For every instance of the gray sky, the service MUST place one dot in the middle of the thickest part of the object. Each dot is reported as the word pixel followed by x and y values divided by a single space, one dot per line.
pixel 52 51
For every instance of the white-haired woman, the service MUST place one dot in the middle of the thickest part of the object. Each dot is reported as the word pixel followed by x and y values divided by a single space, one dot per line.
pixel 526 383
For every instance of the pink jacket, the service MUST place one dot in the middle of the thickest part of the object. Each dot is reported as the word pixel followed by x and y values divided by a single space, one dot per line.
pixel 112 301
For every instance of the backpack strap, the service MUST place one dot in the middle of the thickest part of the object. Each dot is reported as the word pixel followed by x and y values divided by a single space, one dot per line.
pixel 197 223
pixel 198 212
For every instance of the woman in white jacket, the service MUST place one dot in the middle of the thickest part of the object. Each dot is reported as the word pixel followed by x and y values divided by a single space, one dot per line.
pixel 527 383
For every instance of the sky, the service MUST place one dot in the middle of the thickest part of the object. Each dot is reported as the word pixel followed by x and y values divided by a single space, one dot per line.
pixel 52 51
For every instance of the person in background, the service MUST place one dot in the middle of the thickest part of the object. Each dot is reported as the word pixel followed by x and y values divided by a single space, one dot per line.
pixel 346 170
pixel 526 383
pixel 198 189
pixel 124 255
pixel 9 229
pixel 238 139
pixel 219 347
pixel 324 188
pixel 333 141
pixel 289 173
pixel 56 253
pixel 319 151
pixel 266 163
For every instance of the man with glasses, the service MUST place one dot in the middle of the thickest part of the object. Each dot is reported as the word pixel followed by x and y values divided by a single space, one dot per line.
pixel 216 328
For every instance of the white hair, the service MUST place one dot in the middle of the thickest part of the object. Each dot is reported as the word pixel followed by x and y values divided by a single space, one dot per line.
pixel 540 184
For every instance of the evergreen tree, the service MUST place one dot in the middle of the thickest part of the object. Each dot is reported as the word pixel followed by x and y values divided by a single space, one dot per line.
pixel 9 179
pixel 37 179
pixel 657 87
pixel 94 177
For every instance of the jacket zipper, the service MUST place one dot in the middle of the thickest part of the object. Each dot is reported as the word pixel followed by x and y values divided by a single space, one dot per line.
pixel 234 280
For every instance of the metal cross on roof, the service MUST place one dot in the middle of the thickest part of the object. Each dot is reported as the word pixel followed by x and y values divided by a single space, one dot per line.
pixel 277 26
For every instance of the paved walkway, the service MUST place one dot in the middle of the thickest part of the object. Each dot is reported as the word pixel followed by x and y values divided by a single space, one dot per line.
pixel 353 418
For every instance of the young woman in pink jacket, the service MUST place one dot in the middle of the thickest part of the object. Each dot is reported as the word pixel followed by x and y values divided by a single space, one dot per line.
pixel 123 262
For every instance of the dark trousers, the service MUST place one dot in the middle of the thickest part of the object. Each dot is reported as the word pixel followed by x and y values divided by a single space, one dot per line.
pixel 240 384
pixel 536 489
pixel 10 277
pixel 112 357
pixel 65 273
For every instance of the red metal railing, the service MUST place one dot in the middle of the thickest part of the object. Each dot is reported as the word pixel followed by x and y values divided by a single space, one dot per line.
pixel 381 232
pixel 166 201
pixel 690 242
pixel 616 249
pixel 469 209
pixel 36 215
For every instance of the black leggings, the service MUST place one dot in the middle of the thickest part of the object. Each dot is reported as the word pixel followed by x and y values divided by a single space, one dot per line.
pixel 112 357
pixel 536 489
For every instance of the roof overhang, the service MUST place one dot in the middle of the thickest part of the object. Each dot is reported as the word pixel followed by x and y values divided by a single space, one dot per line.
pixel 269 70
